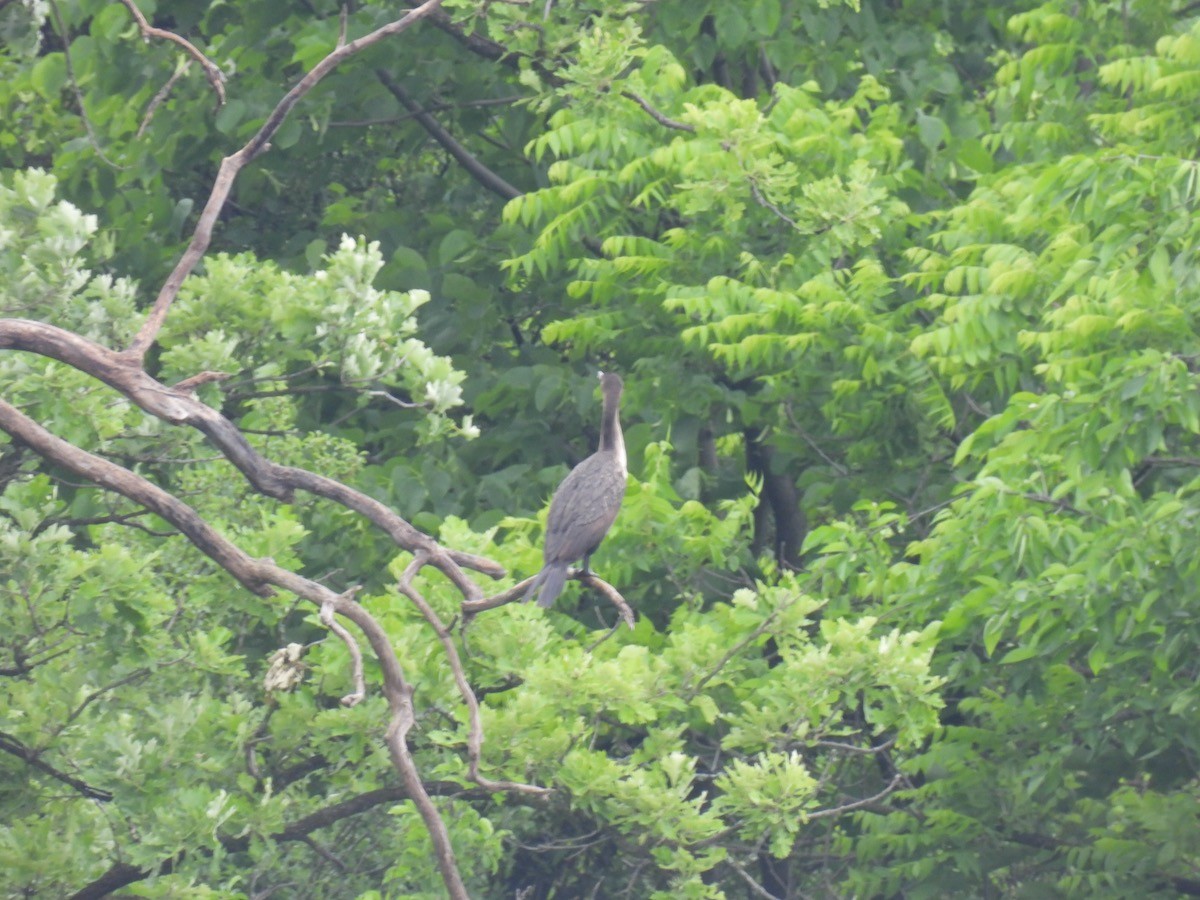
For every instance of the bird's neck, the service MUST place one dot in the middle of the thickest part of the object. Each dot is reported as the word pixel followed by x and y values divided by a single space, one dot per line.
pixel 611 437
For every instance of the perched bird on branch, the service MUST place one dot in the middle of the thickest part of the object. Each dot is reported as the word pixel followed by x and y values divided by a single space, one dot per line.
pixel 586 503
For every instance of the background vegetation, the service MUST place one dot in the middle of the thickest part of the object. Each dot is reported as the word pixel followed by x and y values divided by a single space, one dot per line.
pixel 906 299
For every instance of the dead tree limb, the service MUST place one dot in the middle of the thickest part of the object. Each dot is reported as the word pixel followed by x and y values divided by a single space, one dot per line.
pixel 474 725
pixel 181 407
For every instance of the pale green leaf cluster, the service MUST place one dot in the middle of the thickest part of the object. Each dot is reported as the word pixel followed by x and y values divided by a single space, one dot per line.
pixel 333 322
pixel 42 241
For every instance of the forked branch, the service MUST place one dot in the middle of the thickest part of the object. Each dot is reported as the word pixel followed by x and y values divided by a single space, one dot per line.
pixel 472 608
pixel 260 576
pixel 234 163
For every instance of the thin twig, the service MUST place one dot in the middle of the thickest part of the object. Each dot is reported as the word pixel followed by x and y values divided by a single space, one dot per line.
pixel 757 889
pixel 741 645
pixel 474 724
pixel 762 201
pixel 469 162
pixel 356 660
pixel 83 115
pixel 896 781
pixel 211 70
pixel 656 115
pixel 163 93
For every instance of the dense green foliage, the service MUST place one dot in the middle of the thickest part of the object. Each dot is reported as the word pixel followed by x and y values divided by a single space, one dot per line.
pixel 907 300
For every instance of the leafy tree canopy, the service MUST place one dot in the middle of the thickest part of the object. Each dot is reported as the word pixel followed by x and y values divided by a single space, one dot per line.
pixel 906 299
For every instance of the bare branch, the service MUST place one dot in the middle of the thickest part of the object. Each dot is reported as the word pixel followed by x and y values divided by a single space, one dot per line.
pixel 31 757
pixel 233 164
pixel 656 115
pixel 610 593
pixel 190 384
pixel 122 481
pixel 762 201
pixel 897 781
pixel 162 94
pixel 854 748
pixel 211 70
pixel 182 408
pixel 472 608
pixel 261 576
pixel 112 519
pixel 757 889
pixel 356 660
pixel 473 166
pixel 741 645
pixel 474 725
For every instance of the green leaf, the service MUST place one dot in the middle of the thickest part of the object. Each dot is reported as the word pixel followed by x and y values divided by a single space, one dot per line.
pixel 49 75
pixel 931 130
pixel 230 116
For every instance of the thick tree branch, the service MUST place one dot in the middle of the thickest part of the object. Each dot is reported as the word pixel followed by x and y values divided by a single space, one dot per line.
pixel 476 43
pixel 122 481
pixel 260 576
pixel 473 166
pixel 233 164
pixel 180 407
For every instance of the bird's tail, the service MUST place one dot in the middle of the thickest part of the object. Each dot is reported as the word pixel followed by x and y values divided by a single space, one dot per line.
pixel 548 584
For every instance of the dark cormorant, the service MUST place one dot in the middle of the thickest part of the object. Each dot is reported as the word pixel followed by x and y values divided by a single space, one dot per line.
pixel 586 503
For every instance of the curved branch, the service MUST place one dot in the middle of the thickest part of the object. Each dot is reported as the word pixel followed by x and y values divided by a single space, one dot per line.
pixel 261 576
pixel 180 407
pixel 472 608
pixel 656 115
pixel 211 70
pixel 606 590
pixel 327 619
pixel 122 481
pixel 474 724
pixel 233 164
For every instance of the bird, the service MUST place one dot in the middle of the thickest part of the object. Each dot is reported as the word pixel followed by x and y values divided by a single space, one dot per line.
pixel 586 503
